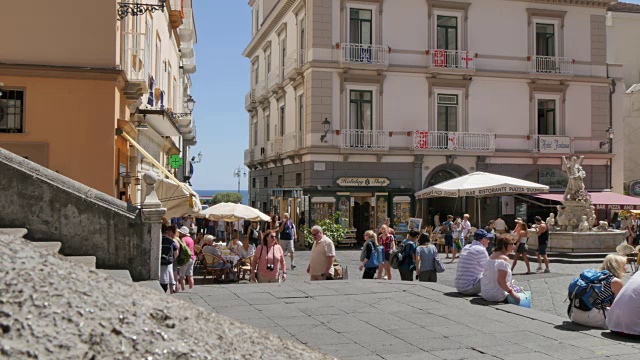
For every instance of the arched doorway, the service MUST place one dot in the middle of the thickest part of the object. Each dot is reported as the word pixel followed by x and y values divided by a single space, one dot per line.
pixel 444 205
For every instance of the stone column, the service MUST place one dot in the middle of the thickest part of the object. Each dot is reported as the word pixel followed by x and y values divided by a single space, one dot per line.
pixel 152 213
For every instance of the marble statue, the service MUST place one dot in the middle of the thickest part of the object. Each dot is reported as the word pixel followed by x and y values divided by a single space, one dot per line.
pixel 563 221
pixel 584 225
pixel 603 226
pixel 551 222
pixel 575 186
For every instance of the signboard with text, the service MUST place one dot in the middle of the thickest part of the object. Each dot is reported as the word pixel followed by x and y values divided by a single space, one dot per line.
pixel 554 144
pixel 353 181
pixel 553 178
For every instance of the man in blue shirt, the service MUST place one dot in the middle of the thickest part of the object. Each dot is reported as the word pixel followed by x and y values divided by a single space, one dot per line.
pixel 408 263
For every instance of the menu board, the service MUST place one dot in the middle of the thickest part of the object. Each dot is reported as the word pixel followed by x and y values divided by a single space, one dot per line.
pixel 401 215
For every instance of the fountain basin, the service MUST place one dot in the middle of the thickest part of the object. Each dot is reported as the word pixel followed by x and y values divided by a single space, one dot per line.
pixel 580 242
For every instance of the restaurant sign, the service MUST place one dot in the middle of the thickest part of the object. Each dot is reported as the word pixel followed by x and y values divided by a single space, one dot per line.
pixel 554 144
pixel 553 178
pixel 616 207
pixel 354 181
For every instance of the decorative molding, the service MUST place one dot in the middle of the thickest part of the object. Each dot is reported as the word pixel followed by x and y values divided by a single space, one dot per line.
pixel 274 17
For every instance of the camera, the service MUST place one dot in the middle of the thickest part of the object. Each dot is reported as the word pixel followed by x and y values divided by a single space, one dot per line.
pixel 270 267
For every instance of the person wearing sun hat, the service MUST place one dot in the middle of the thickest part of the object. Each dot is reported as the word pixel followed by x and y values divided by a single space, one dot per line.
pixel 187 269
pixel 471 264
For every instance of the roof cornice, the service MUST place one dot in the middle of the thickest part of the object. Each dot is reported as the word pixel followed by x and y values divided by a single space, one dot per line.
pixel 602 4
pixel 270 22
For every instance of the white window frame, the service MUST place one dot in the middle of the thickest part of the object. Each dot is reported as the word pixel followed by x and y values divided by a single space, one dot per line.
pixel 434 26
pixel 158 62
pixel 447 91
pixel 282 118
pixel 374 107
pixel 282 40
pixel 374 20
pixel 556 33
pixel 300 122
pixel 544 96
pixel 267 125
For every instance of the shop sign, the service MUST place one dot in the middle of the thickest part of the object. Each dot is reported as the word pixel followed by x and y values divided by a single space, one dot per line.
pixel 553 178
pixel 554 144
pixel 616 207
pixel 354 181
pixel 634 188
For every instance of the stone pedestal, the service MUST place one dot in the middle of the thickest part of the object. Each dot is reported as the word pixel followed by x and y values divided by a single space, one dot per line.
pixel 579 242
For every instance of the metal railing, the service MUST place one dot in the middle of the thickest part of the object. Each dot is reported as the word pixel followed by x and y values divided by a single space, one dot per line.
pixel 453 59
pixel 550 65
pixel 294 60
pixel 365 139
pixel 274 147
pixel 453 141
pixel 189 63
pixel 260 89
pixel 137 57
pixel 551 144
pixel 185 32
pixel 292 142
pixel 250 99
pixel 274 78
pixel 248 156
pixel 364 54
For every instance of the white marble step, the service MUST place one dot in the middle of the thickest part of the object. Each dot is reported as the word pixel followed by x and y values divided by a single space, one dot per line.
pixel 89 261
pixel 151 284
pixel 52 247
pixel 14 232
pixel 123 275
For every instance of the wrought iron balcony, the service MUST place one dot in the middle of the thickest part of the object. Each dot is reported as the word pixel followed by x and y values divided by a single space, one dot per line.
pixel 453 141
pixel 364 54
pixel 364 139
pixel 550 65
pixel 452 59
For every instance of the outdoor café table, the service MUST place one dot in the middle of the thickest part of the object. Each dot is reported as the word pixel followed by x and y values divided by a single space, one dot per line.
pixel 231 258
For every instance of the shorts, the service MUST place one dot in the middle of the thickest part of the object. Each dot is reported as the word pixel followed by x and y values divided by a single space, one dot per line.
pixel 542 248
pixel 287 246
pixel 448 240
pixel 187 269
pixel 522 248
pixel 166 275
pixel 387 256
pixel 595 318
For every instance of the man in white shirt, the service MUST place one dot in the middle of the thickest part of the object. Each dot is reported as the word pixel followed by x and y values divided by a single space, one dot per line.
pixel 471 264
pixel 466 228
pixel 323 253
pixel 436 220
pixel 220 230
pixel 500 226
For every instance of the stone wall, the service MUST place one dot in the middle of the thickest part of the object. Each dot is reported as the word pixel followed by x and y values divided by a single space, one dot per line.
pixel 87 222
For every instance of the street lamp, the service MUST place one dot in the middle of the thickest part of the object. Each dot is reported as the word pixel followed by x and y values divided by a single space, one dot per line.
pixel 137 9
pixel 610 132
pixel 190 105
pixel 193 158
pixel 326 124
pixel 239 172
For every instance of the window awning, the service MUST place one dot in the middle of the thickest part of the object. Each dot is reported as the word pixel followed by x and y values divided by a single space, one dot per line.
pixel 602 200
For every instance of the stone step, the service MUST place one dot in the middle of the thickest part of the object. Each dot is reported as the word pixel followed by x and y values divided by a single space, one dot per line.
pixel 14 232
pixel 89 261
pixel 123 275
pixel 151 284
pixel 52 247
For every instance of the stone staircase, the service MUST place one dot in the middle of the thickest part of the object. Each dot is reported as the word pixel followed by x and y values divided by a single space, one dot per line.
pixel 53 247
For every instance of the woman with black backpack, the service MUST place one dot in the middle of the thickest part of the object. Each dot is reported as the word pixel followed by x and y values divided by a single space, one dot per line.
pixel 610 287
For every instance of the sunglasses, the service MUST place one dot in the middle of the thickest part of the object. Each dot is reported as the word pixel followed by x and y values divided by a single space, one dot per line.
pixel 315 233
pixel 272 236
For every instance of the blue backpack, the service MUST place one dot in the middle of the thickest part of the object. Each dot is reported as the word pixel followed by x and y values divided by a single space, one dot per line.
pixel 374 261
pixel 585 290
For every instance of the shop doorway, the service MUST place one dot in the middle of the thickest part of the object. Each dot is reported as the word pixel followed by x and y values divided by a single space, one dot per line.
pixel 362 215
pixel 444 205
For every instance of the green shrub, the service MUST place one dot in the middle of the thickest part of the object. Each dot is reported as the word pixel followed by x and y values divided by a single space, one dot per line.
pixel 330 227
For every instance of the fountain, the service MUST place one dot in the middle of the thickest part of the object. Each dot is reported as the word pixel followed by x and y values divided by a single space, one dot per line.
pixel 576 215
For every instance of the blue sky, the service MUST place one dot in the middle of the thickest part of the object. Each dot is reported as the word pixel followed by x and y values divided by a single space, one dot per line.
pixel 219 86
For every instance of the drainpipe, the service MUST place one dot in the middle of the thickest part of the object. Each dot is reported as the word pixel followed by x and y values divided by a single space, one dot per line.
pixel 612 90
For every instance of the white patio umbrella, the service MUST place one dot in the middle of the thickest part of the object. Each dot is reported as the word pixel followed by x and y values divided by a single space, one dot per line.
pixel 481 184
pixel 178 199
pixel 234 212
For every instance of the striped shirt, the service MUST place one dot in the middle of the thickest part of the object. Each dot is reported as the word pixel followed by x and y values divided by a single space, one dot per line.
pixel 470 266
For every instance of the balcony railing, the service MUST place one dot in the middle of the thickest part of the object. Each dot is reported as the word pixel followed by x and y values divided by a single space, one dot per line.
pixel 186 32
pixel 364 54
pixel 136 57
pixel 250 100
pixel 189 63
pixel 365 139
pixel 550 65
pixel 453 141
pixel 248 156
pixel 292 142
pixel 274 79
pixel 452 59
pixel 294 60
pixel 551 144
pixel 260 89
pixel 274 147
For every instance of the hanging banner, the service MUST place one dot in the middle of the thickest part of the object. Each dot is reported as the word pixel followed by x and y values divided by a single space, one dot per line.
pixel 508 205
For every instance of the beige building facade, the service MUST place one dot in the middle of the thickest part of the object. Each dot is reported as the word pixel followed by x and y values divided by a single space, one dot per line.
pixel 356 105
pixel 70 89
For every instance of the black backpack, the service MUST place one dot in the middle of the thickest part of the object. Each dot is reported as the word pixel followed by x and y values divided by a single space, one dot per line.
pixel 166 254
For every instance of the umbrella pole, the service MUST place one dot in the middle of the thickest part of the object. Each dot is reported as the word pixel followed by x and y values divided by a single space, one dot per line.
pixel 479 214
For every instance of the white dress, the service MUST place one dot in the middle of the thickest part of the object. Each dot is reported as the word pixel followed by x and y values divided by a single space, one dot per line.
pixel 624 314
pixel 490 290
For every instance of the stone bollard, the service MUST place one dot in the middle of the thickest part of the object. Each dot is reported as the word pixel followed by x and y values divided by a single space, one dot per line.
pixel 152 213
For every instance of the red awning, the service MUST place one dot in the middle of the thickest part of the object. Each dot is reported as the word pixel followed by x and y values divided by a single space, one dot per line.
pixel 603 200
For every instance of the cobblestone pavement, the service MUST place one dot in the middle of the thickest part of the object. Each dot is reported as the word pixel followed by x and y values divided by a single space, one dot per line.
pixel 365 319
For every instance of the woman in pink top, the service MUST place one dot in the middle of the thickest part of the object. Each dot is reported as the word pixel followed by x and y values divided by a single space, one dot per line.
pixel 268 260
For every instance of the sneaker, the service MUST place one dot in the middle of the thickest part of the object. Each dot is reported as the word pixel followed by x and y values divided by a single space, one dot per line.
pixel 293 266
pixel 539 268
pixel 547 271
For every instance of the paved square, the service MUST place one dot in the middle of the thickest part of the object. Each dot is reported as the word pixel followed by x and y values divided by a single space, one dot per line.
pixel 379 319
